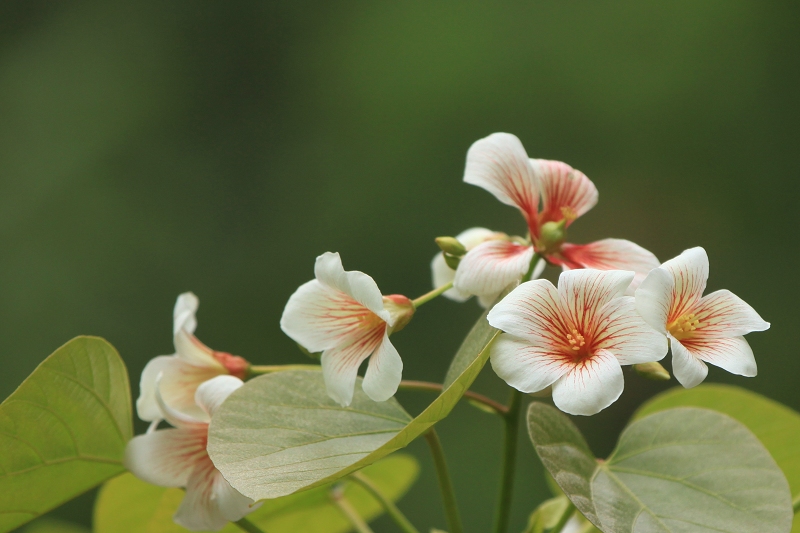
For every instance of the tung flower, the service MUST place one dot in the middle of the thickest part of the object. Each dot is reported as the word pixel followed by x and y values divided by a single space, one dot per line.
pixel 574 338
pixel 177 457
pixel 701 329
pixel 499 164
pixel 344 316
pixel 181 373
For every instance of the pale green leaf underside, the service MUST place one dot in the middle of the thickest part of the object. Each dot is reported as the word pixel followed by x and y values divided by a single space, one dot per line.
pixel 64 430
pixel 775 425
pixel 281 433
pixel 681 470
pixel 128 505
pixel 475 341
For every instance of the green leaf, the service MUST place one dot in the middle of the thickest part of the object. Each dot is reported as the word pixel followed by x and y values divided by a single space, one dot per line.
pixel 128 505
pixel 281 432
pixel 473 344
pixel 64 430
pixel 679 470
pixel 51 525
pixel 546 516
pixel 776 426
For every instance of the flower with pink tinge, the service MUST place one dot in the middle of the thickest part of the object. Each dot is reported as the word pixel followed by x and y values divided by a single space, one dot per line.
pixel 177 457
pixel 345 316
pixel 192 364
pixel 574 338
pixel 701 329
pixel 499 164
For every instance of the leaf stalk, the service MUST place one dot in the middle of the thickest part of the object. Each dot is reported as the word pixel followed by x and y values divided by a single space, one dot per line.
pixel 391 509
pixel 445 483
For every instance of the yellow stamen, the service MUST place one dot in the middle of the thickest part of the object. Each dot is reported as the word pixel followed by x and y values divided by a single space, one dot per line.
pixel 684 326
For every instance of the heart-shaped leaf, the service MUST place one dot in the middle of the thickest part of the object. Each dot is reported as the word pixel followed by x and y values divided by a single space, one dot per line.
pixel 52 525
pixel 64 430
pixel 281 432
pixel 680 470
pixel 127 505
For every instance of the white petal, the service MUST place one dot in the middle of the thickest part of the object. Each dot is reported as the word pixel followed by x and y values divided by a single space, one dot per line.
pixel 722 314
pixel 689 370
pixel 499 164
pixel 212 393
pixel 584 292
pixel 189 348
pixel 384 372
pixel 360 287
pixel 591 386
pixel 622 332
pixel 146 405
pixel 563 187
pixel 733 354
pixel 690 273
pixel 532 312
pixel 178 384
pixel 608 254
pixel 183 315
pixel 340 364
pixel 525 367
pixel 492 266
pixel 654 299
pixel 443 274
pixel 167 457
pixel 209 503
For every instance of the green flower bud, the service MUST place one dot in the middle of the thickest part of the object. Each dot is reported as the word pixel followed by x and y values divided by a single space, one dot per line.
pixel 451 260
pixel 552 235
pixel 653 371
pixel 451 245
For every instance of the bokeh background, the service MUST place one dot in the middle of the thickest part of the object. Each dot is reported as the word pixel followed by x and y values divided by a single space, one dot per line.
pixel 151 148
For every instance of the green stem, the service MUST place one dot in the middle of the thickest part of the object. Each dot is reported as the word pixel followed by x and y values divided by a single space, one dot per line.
pixel 565 516
pixel 796 504
pixel 256 370
pixel 445 483
pixel 510 438
pixel 495 406
pixel 246 525
pixel 534 261
pixel 391 509
pixel 349 512
pixel 427 297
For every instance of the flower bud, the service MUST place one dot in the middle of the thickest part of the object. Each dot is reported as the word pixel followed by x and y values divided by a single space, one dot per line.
pixel 451 260
pixel 451 245
pixel 653 371
pixel 552 236
pixel 401 308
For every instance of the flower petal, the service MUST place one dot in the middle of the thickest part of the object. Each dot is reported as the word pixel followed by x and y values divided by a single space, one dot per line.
pixel 584 292
pixel 358 286
pixel 590 386
pixel 608 254
pixel 384 372
pixel 526 367
pixel 492 266
pixel 190 349
pixel 209 503
pixel 499 164
pixel 167 457
pixel 722 314
pixel 623 332
pixel 183 315
pixel 732 354
pixel 212 393
pixel 690 273
pixel 320 317
pixel 443 274
pixel 562 187
pixel 178 384
pixel 532 312
pixel 654 299
pixel 340 364
pixel 689 370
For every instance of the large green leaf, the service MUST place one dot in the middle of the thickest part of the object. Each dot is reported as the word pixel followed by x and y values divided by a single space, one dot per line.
pixel 128 505
pixel 473 344
pixel 64 430
pixel 680 470
pixel 52 525
pixel 281 432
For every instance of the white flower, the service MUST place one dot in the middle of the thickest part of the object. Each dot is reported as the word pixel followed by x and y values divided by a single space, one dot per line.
pixel 499 164
pixel 177 457
pixel 344 316
pixel 192 364
pixel 574 338
pixel 701 329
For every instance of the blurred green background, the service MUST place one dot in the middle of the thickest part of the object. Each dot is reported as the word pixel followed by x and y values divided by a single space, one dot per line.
pixel 151 148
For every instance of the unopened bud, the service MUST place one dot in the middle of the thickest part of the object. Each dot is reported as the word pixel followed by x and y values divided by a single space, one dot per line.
pixel 401 308
pixel 552 235
pixel 653 371
pixel 451 260
pixel 451 245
